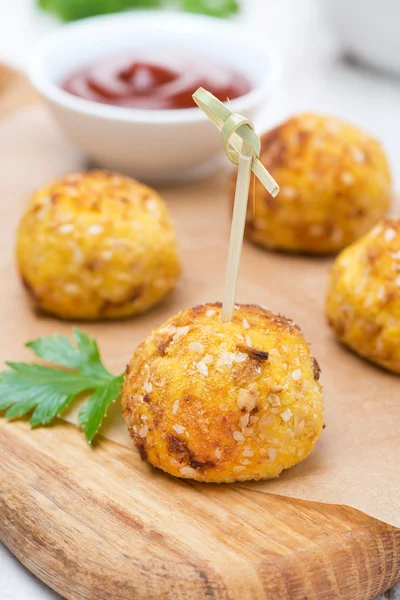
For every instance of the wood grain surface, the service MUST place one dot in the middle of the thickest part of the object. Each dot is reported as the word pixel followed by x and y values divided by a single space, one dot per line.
pixel 97 523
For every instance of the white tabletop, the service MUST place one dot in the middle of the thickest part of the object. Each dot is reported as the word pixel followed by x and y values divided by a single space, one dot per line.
pixel 314 78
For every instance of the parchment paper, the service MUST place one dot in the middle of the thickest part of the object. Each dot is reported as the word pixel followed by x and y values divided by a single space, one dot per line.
pixel 356 462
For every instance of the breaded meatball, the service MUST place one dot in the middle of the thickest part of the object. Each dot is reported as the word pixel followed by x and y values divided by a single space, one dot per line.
pixel 97 245
pixel 222 402
pixel 335 185
pixel 363 299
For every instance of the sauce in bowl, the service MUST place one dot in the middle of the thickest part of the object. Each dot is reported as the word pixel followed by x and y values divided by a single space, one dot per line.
pixel 162 82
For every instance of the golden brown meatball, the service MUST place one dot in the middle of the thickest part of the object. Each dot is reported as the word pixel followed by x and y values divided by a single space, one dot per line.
pixel 222 402
pixel 97 245
pixel 363 299
pixel 335 185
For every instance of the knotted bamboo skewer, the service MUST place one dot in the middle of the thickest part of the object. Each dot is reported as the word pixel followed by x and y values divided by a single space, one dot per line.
pixel 242 146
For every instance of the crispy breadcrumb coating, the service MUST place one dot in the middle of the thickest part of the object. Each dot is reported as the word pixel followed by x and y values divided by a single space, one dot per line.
pixel 97 245
pixel 335 185
pixel 223 402
pixel 363 299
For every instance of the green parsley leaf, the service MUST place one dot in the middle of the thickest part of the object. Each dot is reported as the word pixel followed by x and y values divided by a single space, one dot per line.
pixel 84 357
pixel 213 8
pixel 92 412
pixel 70 10
pixel 47 390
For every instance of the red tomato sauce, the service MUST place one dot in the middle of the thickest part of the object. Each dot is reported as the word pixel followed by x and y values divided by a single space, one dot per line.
pixel 165 82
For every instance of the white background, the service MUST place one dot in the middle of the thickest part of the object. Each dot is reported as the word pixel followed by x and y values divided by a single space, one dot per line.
pixel 315 77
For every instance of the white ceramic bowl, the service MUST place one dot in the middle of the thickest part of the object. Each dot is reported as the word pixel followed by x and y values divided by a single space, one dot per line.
pixel 153 145
pixel 369 29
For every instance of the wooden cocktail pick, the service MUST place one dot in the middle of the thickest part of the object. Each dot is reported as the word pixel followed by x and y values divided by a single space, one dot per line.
pixel 242 146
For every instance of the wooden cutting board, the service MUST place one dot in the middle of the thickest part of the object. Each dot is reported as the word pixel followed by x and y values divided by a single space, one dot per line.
pixel 103 525
pixel 100 524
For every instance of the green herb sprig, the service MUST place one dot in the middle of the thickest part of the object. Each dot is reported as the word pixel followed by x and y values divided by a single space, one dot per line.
pixel 70 10
pixel 48 390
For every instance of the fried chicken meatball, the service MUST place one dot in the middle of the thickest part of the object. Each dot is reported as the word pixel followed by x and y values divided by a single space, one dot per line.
pixel 363 299
pixel 97 245
pixel 222 402
pixel 335 185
